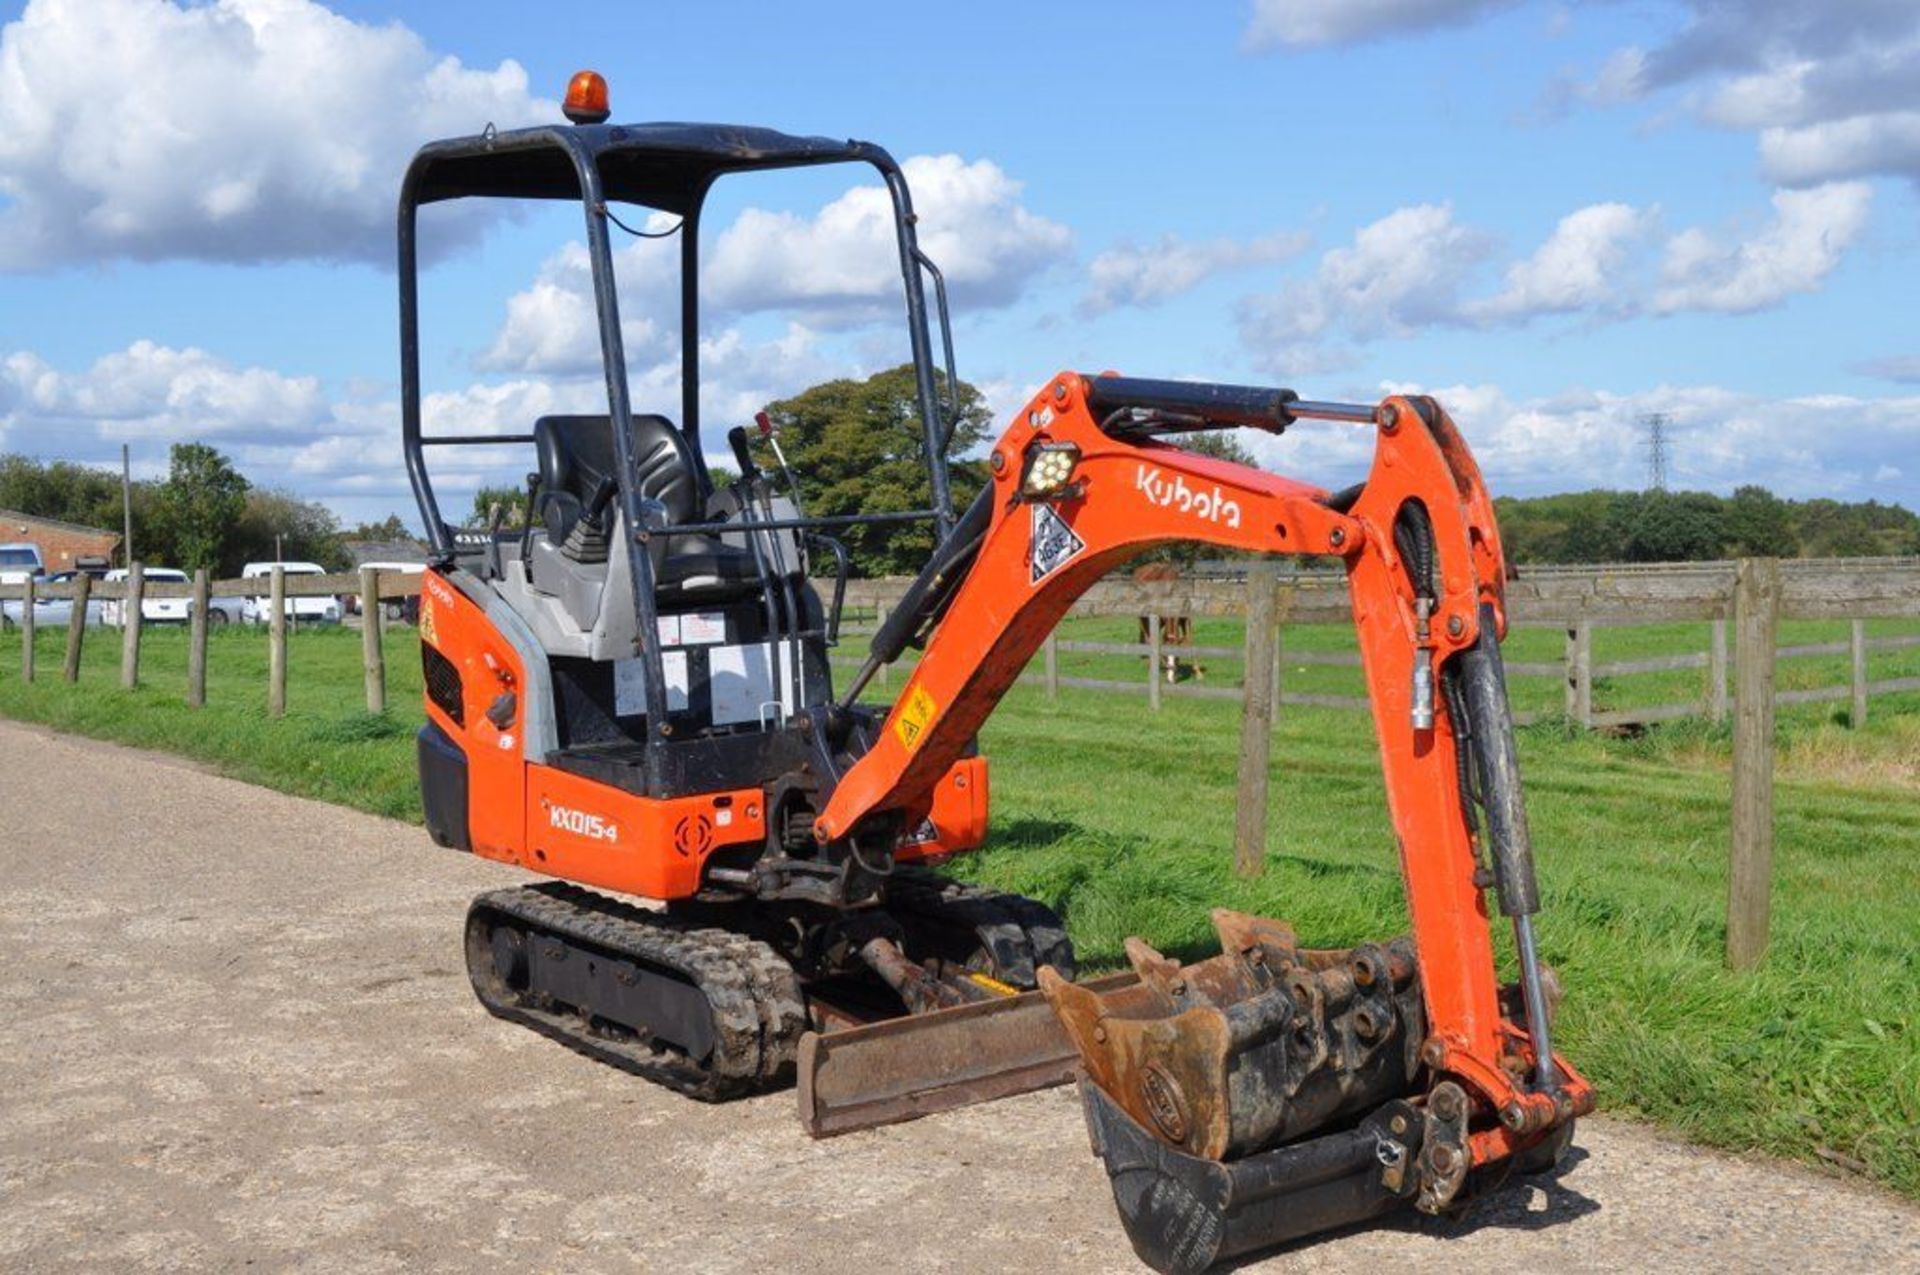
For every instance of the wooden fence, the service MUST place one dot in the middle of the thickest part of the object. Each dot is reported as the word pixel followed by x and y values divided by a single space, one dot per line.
pixel 1743 602
pixel 369 585
pixel 1573 600
pixel 1751 596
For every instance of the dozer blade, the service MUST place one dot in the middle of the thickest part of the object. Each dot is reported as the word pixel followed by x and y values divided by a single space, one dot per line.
pixel 903 1068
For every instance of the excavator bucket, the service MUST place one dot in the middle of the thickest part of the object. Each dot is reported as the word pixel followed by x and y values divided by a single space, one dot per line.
pixel 1265 1094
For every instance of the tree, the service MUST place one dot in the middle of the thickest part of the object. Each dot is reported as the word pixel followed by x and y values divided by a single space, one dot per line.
pixel 1666 526
pixel 196 508
pixel 512 502
pixel 392 529
pixel 857 447
pixel 1759 525
pixel 63 490
pixel 302 529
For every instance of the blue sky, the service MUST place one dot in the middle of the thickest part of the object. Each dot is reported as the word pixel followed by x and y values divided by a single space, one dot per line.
pixel 1559 217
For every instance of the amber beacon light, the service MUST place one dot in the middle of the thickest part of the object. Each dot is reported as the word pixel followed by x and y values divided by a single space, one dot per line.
pixel 586 101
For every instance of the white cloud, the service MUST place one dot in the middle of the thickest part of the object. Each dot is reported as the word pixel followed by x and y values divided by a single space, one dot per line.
pixel 1832 89
pixel 837 268
pixel 553 327
pixel 151 391
pixel 244 130
pixel 1401 273
pixel 1129 274
pixel 1415 269
pixel 1579 267
pixel 1793 254
pixel 844 258
pixel 1859 146
pixel 1311 22
pixel 1719 439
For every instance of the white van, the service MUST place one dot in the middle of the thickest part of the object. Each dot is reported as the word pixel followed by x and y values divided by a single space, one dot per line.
pixel 257 609
pixel 152 610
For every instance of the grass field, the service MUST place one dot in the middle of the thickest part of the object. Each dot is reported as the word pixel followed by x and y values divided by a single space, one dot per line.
pixel 1124 819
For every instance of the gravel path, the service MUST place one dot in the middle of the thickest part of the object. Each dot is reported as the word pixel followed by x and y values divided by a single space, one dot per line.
pixel 234 1031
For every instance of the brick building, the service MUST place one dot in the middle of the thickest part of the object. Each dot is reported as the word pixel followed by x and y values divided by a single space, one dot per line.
pixel 63 545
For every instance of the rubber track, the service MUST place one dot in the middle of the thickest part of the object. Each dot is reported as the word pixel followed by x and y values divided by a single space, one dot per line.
pixel 755 1000
pixel 1021 934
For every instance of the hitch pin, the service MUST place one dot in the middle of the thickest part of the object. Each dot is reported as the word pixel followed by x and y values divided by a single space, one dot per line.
pixel 1423 667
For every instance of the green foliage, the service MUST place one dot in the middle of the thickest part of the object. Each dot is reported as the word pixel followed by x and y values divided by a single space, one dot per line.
pixel 1686 526
pixel 1759 524
pixel 857 447
pixel 194 511
pixel 63 490
pixel 512 502
pixel 305 531
pixel 391 529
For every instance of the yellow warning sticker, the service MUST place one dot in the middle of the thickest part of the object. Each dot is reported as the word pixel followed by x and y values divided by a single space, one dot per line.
pixel 910 723
pixel 429 629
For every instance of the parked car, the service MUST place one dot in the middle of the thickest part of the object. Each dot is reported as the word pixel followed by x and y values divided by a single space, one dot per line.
pixel 255 609
pixel 19 561
pixel 152 610
pixel 57 613
pixel 392 608
pixel 223 611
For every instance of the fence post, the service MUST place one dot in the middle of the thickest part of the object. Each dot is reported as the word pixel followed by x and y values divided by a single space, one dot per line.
pixel 131 606
pixel 26 631
pixel 1256 724
pixel 1858 717
pixel 197 639
pixel 371 657
pixel 77 625
pixel 1580 673
pixel 1756 611
pixel 1154 655
pixel 1050 654
pixel 1717 673
pixel 277 645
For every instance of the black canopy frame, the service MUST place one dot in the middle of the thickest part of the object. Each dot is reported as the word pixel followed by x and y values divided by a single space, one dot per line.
pixel 670 167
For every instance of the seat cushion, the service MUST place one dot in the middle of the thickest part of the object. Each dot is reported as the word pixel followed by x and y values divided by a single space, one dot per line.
pixel 705 560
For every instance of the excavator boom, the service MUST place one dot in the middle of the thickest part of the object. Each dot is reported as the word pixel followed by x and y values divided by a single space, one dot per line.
pixel 1082 481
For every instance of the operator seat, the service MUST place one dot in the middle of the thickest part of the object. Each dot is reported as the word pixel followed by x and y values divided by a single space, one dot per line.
pixel 576 456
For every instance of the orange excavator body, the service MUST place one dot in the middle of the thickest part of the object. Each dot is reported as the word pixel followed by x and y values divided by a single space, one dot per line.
pixel 633 691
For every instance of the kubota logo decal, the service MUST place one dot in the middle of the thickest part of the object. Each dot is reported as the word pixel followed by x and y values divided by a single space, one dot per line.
pixel 581 823
pixel 1211 505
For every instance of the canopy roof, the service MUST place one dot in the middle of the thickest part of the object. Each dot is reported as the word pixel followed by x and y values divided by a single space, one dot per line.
pixel 665 166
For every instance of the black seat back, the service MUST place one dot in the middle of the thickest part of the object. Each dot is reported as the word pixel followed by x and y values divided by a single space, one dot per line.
pixel 576 455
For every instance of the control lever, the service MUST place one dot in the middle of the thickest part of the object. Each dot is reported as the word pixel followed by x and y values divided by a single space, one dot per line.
pixel 737 440
pixel 602 496
pixel 767 432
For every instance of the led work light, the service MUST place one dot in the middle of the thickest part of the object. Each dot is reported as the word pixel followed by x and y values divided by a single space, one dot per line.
pixel 1048 471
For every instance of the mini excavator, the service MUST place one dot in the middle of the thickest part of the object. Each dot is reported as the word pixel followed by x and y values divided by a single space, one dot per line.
pixel 630 693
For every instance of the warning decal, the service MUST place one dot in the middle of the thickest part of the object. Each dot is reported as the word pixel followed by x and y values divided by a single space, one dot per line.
pixel 916 711
pixel 1054 544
